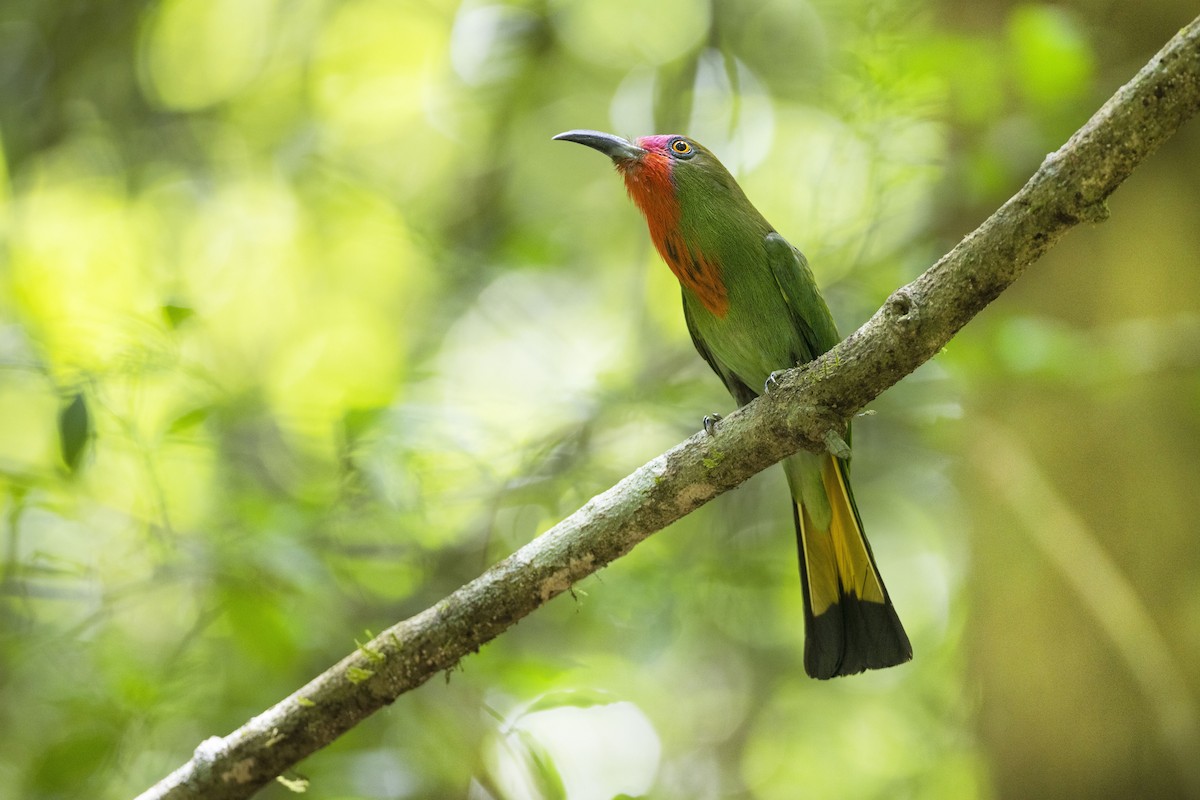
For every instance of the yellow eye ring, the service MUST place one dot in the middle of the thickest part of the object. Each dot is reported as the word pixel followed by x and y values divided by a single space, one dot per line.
pixel 681 147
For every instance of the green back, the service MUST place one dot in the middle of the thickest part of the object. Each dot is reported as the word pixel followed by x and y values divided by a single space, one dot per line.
pixel 776 317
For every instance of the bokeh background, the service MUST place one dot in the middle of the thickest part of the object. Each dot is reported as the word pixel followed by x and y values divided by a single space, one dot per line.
pixel 304 321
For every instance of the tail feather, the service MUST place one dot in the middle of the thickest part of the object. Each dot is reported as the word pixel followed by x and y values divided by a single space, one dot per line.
pixel 850 623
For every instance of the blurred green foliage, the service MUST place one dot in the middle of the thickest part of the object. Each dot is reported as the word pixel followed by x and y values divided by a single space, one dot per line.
pixel 304 321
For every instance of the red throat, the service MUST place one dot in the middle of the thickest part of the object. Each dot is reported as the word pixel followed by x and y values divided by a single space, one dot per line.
pixel 652 188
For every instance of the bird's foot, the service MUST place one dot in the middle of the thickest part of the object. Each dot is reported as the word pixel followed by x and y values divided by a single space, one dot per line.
pixel 710 423
pixel 772 381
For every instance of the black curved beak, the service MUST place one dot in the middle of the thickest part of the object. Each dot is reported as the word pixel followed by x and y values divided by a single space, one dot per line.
pixel 614 147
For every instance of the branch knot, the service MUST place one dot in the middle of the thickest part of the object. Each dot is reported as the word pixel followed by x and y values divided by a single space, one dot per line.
pixel 903 309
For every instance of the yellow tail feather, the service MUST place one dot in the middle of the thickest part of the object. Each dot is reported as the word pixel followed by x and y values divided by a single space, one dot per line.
pixel 837 559
pixel 854 564
pixel 850 622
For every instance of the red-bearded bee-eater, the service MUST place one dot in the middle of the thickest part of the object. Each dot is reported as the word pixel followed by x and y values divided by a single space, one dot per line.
pixel 753 308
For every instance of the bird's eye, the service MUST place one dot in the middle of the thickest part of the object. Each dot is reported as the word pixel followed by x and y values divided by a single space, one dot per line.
pixel 681 147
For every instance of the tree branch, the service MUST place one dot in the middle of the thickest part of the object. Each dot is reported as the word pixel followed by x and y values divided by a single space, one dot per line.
pixel 807 409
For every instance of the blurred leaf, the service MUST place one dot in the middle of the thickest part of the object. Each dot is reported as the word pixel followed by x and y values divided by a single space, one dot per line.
pixel 199 52
pixel 176 315
pixel 358 421
pixel 189 419
pixel 547 783
pixel 261 629
pixel 593 751
pixel 1052 58
pixel 71 762
pixel 972 70
pixel 576 698
pixel 74 430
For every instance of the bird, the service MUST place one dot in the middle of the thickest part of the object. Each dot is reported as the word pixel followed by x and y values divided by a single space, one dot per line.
pixel 753 308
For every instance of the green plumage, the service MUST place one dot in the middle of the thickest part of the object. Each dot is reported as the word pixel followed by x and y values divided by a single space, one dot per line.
pixel 753 307
pixel 776 318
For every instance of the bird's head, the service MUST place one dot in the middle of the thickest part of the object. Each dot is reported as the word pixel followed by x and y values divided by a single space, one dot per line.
pixel 655 164
pixel 657 169
pixel 687 197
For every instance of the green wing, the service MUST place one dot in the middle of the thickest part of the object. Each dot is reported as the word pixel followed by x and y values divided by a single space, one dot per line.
pixel 812 325
pixel 810 315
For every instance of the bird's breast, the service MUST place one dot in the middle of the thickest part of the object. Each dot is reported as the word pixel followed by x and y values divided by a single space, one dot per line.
pixel 695 272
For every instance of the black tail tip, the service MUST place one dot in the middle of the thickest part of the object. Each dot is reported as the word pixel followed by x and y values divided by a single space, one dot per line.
pixel 852 636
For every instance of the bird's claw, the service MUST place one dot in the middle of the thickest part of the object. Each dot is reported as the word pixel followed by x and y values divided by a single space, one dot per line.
pixel 710 423
pixel 772 381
